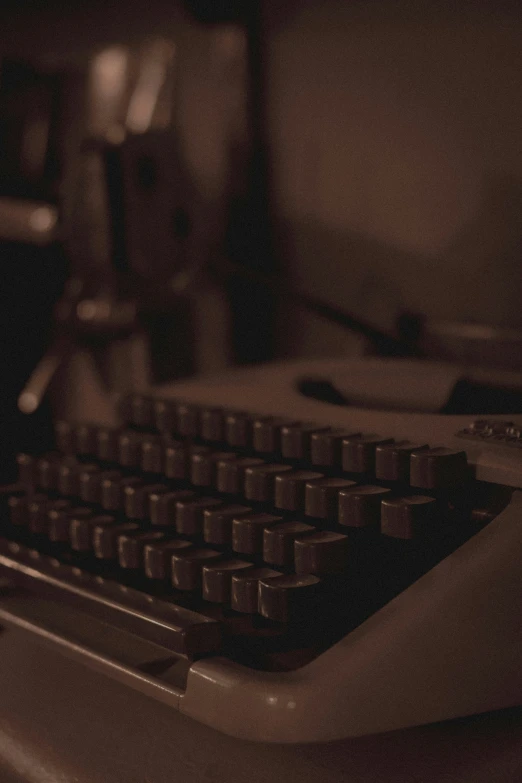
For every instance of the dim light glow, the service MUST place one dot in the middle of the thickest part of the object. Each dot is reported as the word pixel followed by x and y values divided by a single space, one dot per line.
pixel 42 219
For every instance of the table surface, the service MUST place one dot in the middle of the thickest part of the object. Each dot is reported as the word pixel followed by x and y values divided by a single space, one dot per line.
pixel 62 723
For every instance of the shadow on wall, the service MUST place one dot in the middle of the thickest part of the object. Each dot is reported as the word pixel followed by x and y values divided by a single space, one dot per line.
pixel 475 277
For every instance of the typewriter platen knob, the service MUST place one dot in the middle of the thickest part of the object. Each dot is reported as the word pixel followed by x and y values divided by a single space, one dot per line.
pixel 187 567
pixel 259 481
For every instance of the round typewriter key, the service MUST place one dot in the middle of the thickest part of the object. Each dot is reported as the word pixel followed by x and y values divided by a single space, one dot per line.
pixel 203 467
pixel 392 460
pixel 289 488
pixel 217 523
pixel 38 509
pixel 295 439
pixel 408 517
pixel 177 461
pixel 187 567
pixel 162 506
pixel 157 557
pixel 322 497
pixel 64 437
pixel 141 411
pixel 81 526
pixel 136 499
pixel 438 468
pixel 259 481
pixel 360 506
pixel 212 424
pixel 238 430
pixel 106 444
pixel 98 479
pixel 47 468
pixel 164 415
pixel 230 474
pixel 321 553
pixel 189 514
pixel 60 520
pixel 247 532
pixel 131 546
pixel 278 541
pixel 266 437
pixel 129 444
pixel 56 521
pixel 105 536
pixel 244 589
pixel 85 438
pixel 187 420
pixel 89 479
pixel 18 510
pixel 288 597
pixel 326 446
pixel 358 453
pixel 217 579
pixel 152 454
pixel 67 479
pixel 26 470
pixel 112 490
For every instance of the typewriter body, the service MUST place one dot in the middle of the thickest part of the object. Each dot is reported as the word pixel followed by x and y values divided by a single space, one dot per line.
pixel 201 522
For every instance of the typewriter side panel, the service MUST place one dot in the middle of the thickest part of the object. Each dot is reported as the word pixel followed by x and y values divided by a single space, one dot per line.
pixel 54 715
pixel 447 647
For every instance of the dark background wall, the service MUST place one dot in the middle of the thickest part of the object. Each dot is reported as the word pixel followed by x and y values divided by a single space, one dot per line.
pixel 395 143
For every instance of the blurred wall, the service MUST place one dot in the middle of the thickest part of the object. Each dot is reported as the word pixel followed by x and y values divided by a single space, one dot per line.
pixel 395 142
pixel 398 160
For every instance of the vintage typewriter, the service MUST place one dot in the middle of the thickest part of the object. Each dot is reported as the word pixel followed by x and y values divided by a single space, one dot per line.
pixel 293 552
pixel 278 567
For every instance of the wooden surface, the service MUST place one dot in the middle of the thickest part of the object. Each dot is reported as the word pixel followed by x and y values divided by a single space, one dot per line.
pixel 61 723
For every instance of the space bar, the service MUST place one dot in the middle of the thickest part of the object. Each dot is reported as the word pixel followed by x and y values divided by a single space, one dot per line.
pixel 179 629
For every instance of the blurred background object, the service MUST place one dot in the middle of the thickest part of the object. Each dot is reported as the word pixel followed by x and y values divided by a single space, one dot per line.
pixel 368 154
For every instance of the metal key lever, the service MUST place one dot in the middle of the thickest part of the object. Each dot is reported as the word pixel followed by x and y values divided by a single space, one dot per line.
pixel 78 321
pixel 33 393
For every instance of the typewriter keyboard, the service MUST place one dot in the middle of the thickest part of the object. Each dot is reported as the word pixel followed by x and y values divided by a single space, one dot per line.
pixel 262 539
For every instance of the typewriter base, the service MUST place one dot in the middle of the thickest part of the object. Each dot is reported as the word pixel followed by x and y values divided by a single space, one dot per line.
pixel 55 716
